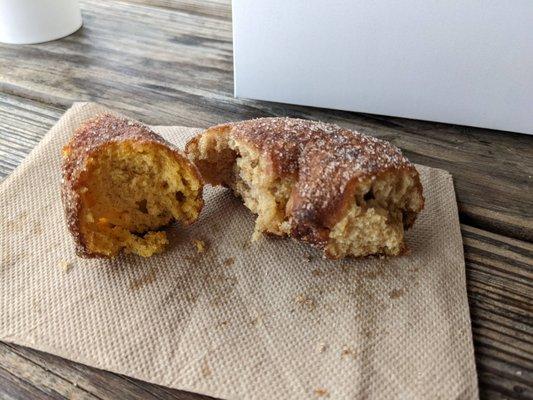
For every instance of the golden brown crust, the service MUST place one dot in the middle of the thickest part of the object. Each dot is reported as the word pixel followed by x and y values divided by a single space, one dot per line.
pixel 89 138
pixel 328 163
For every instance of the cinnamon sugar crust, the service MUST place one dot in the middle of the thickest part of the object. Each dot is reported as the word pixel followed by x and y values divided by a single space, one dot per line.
pixel 121 184
pixel 345 192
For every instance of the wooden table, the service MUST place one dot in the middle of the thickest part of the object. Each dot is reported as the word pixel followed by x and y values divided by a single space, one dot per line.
pixel 169 62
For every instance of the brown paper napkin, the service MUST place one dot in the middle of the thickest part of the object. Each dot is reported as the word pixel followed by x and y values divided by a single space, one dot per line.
pixel 268 320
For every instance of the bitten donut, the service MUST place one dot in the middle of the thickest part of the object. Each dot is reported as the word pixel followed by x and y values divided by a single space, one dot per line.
pixel 344 192
pixel 121 184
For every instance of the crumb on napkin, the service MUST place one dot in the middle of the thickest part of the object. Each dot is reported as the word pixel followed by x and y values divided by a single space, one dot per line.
pixel 229 261
pixel 199 245
pixel 396 293
pixel 321 347
pixel 65 265
pixel 321 392
pixel 347 351
pixel 305 301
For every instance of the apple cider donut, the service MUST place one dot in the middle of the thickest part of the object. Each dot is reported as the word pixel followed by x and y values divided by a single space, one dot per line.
pixel 346 193
pixel 122 184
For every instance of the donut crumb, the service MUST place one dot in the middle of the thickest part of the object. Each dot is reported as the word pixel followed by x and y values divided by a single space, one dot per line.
pixel 321 392
pixel 200 245
pixel 65 265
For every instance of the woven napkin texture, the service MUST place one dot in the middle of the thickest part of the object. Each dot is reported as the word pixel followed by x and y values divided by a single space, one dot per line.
pixel 264 320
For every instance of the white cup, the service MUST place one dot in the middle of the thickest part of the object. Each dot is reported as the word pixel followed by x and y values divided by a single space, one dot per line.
pixel 36 21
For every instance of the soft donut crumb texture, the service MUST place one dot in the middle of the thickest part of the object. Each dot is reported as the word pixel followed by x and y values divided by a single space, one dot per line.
pixel 369 216
pixel 126 190
pixel 129 191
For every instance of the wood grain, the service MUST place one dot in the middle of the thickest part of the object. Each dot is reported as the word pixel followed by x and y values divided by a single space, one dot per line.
pixel 170 62
pixel 211 8
pixel 499 274
pixel 47 375
pixel 22 125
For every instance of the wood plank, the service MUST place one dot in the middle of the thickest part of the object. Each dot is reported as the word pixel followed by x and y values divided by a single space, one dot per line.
pixel 13 388
pixel 172 66
pixel 36 377
pixel 211 8
pixel 66 379
pixel 23 123
pixel 499 274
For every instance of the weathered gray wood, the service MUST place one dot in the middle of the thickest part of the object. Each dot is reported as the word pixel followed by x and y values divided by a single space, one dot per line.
pixel 170 62
pixel 65 379
pixel 22 126
pixel 212 8
pixel 500 291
